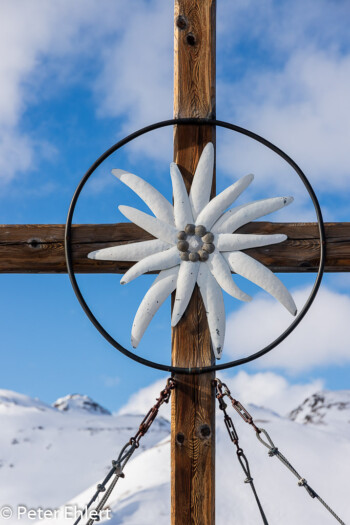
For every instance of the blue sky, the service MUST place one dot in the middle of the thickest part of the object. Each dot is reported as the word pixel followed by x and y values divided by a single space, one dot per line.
pixel 79 77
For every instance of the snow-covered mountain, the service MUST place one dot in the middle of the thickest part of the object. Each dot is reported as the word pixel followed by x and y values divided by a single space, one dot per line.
pixel 78 402
pixel 49 454
pixel 324 408
pixel 52 457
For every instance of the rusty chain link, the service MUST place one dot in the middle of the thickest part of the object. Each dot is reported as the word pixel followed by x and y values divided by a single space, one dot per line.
pixel 129 448
pixel 125 454
pixel 153 412
pixel 237 405
pixel 221 392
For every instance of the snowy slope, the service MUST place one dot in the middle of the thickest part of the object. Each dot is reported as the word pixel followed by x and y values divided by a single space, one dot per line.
pixel 48 455
pixel 58 457
pixel 143 497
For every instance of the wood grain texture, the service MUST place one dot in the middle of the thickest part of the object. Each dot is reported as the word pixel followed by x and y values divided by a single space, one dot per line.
pixel 193 401
pixel 194 58
pixel 39 248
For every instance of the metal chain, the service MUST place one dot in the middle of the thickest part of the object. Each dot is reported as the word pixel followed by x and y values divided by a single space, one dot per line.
pixel 234 438
pixel 126 452
pixel 273 450
pixel 243 412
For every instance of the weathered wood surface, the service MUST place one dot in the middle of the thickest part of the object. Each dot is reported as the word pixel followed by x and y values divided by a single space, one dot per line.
pixel 39 248
pixel 193 401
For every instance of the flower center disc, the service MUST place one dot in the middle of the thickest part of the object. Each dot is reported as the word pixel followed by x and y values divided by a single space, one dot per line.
pixel 195 243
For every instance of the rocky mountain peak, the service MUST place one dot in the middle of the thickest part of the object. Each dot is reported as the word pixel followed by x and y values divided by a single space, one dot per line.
pixel 323 408
pixel 80 403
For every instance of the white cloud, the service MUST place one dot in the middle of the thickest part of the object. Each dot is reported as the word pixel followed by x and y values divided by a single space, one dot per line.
pixel 296 94
pixel 305 109
pixel 266 389
pixel 145 398
pixel 341 281
pixel 137 79
pixel 320 340
pixel 278 27
pixel 270 390
pixel 110 381
pixel 16 153
pixel 40 57
pixel 292 89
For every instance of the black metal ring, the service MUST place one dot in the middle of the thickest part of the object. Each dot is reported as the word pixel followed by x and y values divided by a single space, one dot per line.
pixel 199 122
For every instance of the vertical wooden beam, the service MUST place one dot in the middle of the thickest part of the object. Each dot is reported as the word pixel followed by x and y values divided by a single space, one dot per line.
pixel 193 402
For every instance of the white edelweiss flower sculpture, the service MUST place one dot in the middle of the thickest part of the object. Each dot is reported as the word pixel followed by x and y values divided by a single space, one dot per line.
pixel 195 243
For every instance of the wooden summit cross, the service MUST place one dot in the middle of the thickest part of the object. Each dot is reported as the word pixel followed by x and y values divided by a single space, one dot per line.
pixel 40 249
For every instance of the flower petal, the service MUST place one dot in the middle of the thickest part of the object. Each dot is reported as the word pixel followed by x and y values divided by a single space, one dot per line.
pixel 235 218
pixel 156 202
pixel 228 242
pixel 214 306
pixel 182 208
pixel 159 229
pixel 202 181
pixel 217 227
pixel 221 271
pixel 185 284
pixel 157 261
pixel 161 288
pixel 257 273
pixel 130 252
pixel 216 207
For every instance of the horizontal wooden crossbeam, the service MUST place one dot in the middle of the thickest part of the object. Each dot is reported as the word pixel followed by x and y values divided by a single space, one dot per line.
pixel 39 248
